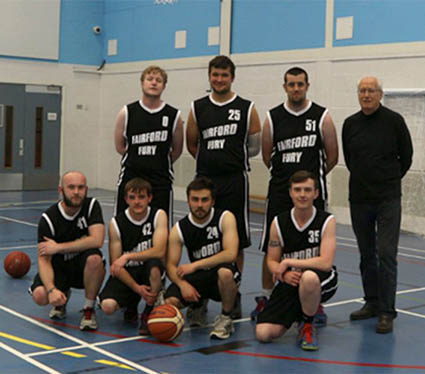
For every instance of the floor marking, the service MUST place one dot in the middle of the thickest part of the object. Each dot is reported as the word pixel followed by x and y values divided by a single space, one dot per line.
pixel 19 221
pixel 115 364
pixel 79 341
pixel 346 363
pixel 18 247
pixel 30 360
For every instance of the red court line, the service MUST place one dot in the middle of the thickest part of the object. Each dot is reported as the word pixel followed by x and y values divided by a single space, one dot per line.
pixel 103 333
pixel 347 363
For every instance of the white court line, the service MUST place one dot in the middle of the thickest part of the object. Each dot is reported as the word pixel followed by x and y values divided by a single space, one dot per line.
pixel 19 247
pixel 18 221
pixel 79 341
pixel 24 357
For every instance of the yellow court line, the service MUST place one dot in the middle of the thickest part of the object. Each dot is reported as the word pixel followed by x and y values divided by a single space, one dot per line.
pixel 115 364
pixel 39 345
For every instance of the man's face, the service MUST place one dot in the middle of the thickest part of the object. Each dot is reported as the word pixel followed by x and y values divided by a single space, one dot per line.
pixel 296 88
pixel 73 189
pixel 200 203
pixel 220 80
pixel 303 194
pixel 138 201
pixel 153 85
pixel 369 95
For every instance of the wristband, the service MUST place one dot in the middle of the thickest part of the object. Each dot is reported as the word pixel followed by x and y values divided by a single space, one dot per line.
pixel 51 290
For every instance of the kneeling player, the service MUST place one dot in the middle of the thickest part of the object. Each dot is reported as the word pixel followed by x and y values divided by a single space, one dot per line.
pixel 211 238
pixel 137 244
pixel 300 256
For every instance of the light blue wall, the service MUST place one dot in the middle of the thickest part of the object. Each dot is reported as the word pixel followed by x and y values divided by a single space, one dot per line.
pixel 382 21
pixel 146 31
pixel 270 25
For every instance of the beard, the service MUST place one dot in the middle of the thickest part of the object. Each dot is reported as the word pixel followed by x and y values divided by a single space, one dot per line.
pixel 200 214
pixel 68 202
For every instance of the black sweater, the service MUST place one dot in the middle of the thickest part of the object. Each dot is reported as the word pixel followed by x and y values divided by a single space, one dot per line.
pixel 378 153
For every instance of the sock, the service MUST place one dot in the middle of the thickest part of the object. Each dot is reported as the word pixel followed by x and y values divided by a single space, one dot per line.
pixel 148 309
pixel 227 314
pixel 307 319
pixel 267 292
pixel 89 303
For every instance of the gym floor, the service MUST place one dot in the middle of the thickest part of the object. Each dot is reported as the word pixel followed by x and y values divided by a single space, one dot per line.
pixel 32 343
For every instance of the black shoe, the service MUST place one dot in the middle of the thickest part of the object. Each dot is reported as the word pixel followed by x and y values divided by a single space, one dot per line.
pixel 368 310
pixel 237 307
pixel 385 324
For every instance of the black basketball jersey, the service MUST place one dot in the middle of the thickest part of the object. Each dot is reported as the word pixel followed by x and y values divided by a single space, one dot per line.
pixel 136 236
pixel 205 240
pixel 301 242
pixel 298 144
pixel 57 225
pixel 149 136
pixel 223 135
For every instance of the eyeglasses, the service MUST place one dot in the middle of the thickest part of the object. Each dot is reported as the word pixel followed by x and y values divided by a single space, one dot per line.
pixel 367 90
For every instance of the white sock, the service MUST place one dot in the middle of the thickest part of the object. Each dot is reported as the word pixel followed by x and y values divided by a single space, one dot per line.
pixel 267 292
pixel 89 303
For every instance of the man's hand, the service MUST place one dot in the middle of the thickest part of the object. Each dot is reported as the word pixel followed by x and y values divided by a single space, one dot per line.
pixel 147 294
pixel 189 293
pixel 56 297
pixel 279 271
pixel 48 248
pixel 117 265
pixel 292 278
pixel 185 269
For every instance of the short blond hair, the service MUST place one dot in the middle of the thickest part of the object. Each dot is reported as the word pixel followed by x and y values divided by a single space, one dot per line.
pixel 154 69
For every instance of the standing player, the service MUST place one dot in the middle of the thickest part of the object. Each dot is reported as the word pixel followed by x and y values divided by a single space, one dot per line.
pixel 297 135
pixel 211 238
pixel 223 130
pixel 300 256
pixel 149 136
pixel 70 234
pixel 137 244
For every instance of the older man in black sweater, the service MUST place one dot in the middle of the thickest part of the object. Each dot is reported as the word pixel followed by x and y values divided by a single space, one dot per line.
pixel 378 153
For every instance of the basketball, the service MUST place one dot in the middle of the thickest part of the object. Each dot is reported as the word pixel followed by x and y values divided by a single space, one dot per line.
pixel 165 323
pixel 17 264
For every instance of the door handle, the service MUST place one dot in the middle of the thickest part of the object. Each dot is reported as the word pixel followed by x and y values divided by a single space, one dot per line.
pixel 21 147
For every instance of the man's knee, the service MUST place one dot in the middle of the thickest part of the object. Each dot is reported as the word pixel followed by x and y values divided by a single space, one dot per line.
pixel 39 295
pixel 263 333
pixel 173 301
pixel 94 262
pixel 109 306
pixel 225 275
pixel 310 280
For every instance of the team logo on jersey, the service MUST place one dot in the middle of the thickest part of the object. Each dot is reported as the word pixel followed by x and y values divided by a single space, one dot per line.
pixel 165 121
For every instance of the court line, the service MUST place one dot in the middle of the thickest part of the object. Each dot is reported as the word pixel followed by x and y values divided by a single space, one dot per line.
pixel 79 341
pixel 30 360
pixel 19 221
pixel 19 247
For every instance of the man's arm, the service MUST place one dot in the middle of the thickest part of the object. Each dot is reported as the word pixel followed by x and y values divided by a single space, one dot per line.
pixel 177 143
pixel 254 133
pixel 330 142
pixel 267 142
pixel 119 139
pixel 192 135
pixel 229 253
pixel 405 148
pixel 345 147
pixel 93 240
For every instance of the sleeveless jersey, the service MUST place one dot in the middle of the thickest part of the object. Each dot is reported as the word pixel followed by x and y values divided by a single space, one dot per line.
pixel 57 225
pixel 136 236
pixel 204 240
pixel 223 135
pixel 301 242
pixel 297 144
pixel 149 136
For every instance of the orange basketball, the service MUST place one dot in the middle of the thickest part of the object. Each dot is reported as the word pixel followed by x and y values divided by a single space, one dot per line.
pixel 17 264
pixel 165 323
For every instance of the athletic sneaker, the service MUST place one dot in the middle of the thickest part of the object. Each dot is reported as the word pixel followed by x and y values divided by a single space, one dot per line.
pixel 320 319
pixel 261 303
pixel 160 299
pixel 223 327
pixel 131 315
pixel 88 320
pixel 59 312
pixel 307 337
pixel 237 307
pixel 198 316
pixel 143 329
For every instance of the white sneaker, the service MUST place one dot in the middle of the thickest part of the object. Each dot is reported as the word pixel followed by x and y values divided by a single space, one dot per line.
pixel 88 320
pixel 198 316
pixel 223 327
pixel 59 312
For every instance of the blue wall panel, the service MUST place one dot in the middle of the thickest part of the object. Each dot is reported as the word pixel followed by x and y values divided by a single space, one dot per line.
pixel 273 25
pixel 78 43
pixel 146 31
pixel 382 21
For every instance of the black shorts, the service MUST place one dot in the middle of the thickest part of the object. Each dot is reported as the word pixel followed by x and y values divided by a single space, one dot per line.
pixel 68 273
pixel 205 282
pixel 162 197
pixel 284 307
pixel 233 194
pixel 124 295
pixel 279 201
